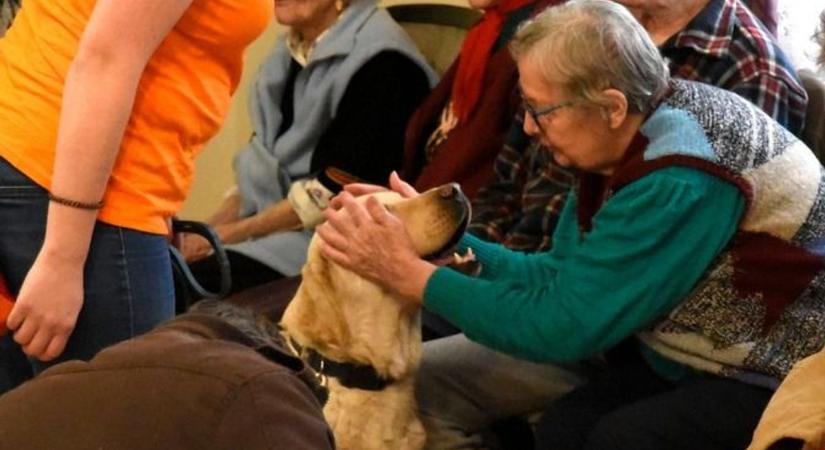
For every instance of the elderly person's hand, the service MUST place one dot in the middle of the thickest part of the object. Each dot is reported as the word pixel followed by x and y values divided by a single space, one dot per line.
pixel 357 189
pixel 352 231
pixel 193 247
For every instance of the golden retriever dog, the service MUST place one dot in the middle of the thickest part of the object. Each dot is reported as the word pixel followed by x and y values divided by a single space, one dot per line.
pixel 351 322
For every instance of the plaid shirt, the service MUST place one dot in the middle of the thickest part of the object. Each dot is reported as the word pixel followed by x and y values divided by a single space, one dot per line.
pixel 521 206
pixel 767 11
pixel 724 45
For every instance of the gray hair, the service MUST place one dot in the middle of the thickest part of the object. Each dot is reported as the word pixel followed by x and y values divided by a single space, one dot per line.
pixel 588 46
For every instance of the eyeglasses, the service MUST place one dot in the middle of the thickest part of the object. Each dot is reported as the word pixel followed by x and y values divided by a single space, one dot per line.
pixel 536 113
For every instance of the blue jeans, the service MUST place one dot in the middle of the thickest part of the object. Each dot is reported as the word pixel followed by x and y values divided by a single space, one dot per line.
pixel 127 278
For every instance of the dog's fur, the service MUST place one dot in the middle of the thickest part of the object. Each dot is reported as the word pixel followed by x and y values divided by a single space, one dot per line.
pixel 347 318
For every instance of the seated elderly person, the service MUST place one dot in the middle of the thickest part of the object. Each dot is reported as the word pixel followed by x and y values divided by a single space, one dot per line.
pixel 692 237
pixel 329 105
pixel 456 132
pixel 217 377
pixel 520 207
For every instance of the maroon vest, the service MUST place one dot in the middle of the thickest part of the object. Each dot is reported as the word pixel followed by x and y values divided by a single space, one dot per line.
pixel 467 155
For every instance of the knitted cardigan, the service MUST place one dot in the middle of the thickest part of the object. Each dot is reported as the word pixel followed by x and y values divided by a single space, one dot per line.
pixel 761 305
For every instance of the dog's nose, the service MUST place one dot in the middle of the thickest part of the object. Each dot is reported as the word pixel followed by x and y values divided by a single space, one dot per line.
pixel 449 191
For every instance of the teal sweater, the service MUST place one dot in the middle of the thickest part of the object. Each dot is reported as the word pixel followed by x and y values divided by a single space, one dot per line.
pixel 651 242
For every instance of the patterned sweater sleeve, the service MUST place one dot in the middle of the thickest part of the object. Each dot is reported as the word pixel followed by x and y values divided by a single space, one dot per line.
pixel 785 103
pixel 650 244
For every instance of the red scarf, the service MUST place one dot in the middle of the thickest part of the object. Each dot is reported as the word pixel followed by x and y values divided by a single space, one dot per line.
pixel 475 52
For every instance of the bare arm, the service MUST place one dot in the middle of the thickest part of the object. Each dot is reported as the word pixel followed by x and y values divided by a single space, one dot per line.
pixel 228 211
pixel 194 246
pixel 230 229
pixel 98 97
pixel 276 217
pixel 282 217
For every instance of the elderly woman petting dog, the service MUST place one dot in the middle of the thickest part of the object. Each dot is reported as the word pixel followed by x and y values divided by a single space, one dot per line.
pixel 686 260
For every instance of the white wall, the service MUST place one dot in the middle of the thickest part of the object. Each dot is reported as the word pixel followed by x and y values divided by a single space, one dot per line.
pixel 214 165
pixel 798 20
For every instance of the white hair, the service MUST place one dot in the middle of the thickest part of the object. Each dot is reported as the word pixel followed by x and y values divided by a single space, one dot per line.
pixel 587 46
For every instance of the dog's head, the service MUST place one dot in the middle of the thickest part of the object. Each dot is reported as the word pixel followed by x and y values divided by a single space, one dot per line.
pixel 348 318
pixel 434 219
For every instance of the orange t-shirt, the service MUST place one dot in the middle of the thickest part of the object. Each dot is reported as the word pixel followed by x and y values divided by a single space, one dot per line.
pixel 181 100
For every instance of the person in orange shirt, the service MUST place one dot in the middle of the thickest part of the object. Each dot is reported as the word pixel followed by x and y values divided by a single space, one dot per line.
pixel 103 106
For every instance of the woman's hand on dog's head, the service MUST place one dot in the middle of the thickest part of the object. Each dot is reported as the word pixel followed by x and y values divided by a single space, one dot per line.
pixel 373 243
pixel 402 187
pixel 358 189
pixel 352 229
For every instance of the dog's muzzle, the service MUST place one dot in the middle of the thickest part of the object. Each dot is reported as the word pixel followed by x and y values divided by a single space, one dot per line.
pixel 452 194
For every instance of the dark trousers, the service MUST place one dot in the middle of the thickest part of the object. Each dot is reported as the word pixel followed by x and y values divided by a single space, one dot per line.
pixel 630 407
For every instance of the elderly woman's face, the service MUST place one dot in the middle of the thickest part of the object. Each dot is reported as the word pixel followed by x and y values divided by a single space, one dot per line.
pixel 305 14
pixel 577 133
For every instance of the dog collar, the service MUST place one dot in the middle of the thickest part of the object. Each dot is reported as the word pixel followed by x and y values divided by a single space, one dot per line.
pixel 351 375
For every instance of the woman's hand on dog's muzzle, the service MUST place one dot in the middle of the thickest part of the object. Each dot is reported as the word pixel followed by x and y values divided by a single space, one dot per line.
pixel 373 243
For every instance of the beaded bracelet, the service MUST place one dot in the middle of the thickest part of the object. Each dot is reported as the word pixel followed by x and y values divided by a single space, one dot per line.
pixel 74 203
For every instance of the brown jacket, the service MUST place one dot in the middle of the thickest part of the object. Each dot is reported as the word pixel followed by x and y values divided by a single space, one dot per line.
pixel 193 383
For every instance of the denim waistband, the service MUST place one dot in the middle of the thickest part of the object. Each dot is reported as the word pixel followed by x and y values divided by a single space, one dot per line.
pixel 10 176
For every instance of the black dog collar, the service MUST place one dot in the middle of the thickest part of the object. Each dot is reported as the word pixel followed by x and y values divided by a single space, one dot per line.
pixel 351 375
